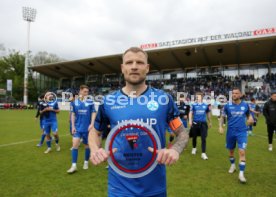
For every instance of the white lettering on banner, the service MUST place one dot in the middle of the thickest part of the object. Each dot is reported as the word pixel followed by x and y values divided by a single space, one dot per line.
pixel 212 38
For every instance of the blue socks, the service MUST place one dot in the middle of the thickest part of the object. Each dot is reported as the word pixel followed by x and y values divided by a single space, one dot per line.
pixel 232 160
pixel 242 166
pixel 74 155
pixel 42 138
pixel 48 142
pixel 87 154
pixel 57 140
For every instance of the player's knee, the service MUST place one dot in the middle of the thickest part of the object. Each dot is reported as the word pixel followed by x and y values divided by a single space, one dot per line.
pixel 75 146
pixel 242 153
pixel 76 143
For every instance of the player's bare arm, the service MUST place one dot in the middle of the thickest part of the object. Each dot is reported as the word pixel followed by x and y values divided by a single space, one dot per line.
pixel 97 154
pixel 182 139
pixel 209 119
pixel 190 119
pixel 250 120
pixel 93 116
pixel 221 130
pixel 170 156
pixel 73 118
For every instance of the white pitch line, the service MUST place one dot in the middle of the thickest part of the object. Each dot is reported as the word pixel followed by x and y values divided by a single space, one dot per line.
pixel 262 136
pixel 24 142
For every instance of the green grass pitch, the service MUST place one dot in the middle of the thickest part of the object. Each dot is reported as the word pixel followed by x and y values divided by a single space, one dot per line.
pixel 26 171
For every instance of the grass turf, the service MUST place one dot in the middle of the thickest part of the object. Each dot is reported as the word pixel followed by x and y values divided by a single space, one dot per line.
pixel 26 171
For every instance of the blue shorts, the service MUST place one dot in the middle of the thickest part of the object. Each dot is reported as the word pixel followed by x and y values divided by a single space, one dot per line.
pixel 184 121
pixel 50 126
pixel 83 135
pixel 233 137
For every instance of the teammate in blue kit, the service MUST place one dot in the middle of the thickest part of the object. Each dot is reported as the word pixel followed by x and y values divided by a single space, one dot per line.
pixel 82 119
pixel 51 123
pixel 41 106
pixel 254 111
pixel 198 123
pixel 135 68
pixel 74 96
pixel 237 111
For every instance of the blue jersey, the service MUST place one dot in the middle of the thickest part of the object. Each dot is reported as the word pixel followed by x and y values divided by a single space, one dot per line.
pixel 83 111
pixel 41 106
pixel 236 115
pixel 158 116
pixel 199 111
pixel 52 117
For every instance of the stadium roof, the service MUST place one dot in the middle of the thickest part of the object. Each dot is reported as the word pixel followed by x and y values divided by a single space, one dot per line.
pixel 240 48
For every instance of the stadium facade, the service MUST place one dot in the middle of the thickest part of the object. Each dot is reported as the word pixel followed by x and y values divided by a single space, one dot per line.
pixel 231 54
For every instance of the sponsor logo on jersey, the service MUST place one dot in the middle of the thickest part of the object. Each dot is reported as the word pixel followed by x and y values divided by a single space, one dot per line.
pixel 118 107
pixel 152 105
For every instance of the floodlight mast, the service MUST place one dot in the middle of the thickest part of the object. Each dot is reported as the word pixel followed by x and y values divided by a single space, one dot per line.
pixel 29 15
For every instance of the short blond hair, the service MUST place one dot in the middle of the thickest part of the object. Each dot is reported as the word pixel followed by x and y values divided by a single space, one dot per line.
pixel 135 50
pixel 84 87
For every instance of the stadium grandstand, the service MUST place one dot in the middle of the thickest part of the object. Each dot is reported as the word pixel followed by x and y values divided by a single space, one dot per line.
pixel 210 63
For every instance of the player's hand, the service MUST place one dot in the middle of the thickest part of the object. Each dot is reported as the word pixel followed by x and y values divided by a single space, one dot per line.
pixel 90 127
pixel 221 130
pixel 74 130
pixel 210 125
pixel 46 109
pixel 250 122
pixel 166 156
pixel 99 156
pixel 185 117
pixel 190 124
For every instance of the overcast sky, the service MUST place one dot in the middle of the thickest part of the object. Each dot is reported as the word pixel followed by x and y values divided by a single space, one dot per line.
pixel 75 29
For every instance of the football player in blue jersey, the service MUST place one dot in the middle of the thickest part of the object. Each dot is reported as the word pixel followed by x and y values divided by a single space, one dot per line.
pixel 74 96
pixel 237 112
pixel 198 124
pixel 135 68
pixel 82 119
pixel 254 111
pixel 41 105
pixel 51 123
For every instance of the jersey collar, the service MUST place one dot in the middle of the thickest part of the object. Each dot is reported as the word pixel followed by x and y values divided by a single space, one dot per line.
pixel 121 90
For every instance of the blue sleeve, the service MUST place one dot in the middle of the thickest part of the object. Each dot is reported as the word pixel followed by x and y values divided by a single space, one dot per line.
pixel 93 108
pixel 247 110
pixel 101 120
pixel 56 106
pixel 225 110
pixel 72 107
pixel 173 111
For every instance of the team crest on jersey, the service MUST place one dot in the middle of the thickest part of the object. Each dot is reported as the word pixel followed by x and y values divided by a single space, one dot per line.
pixel 132 141
pixel 243 108
pixel 152 105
